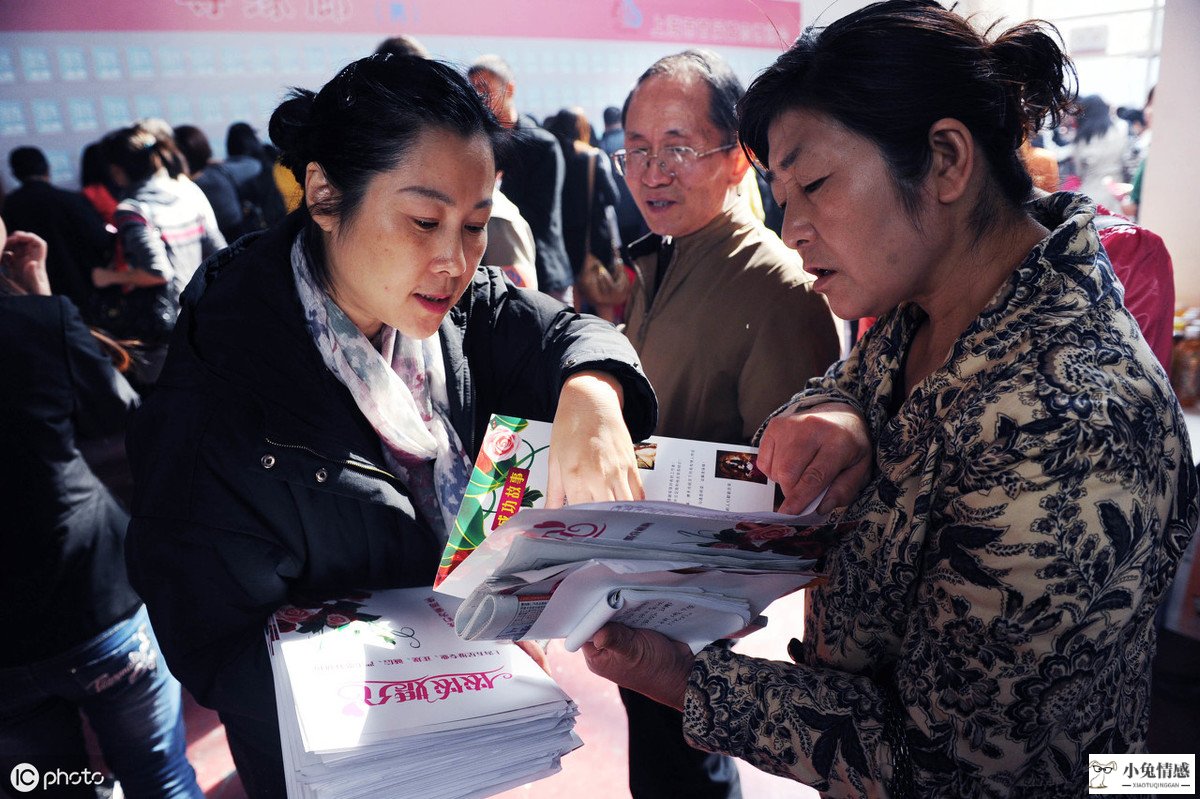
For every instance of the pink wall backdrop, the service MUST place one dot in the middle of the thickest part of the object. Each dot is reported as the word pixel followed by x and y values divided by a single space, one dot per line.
pixel 746 23
pixel 71 70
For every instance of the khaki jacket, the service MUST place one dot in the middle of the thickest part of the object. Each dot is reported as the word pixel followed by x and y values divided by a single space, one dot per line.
pixel 734 330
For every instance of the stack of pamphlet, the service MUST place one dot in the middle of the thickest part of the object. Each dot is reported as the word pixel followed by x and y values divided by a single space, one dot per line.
pixel 699 560
pixel 378 697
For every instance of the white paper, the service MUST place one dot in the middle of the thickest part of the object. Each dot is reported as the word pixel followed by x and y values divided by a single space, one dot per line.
pixel 378 697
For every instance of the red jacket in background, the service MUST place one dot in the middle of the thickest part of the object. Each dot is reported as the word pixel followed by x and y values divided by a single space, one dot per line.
pixel 1143 265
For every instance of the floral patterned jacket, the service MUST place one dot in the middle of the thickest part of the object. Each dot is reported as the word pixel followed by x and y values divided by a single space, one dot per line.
pixel 988 615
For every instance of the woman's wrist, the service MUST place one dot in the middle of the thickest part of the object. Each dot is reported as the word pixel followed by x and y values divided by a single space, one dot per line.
pixel 592 386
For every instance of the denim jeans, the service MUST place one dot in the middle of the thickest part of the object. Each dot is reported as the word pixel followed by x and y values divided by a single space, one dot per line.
pixel 121 683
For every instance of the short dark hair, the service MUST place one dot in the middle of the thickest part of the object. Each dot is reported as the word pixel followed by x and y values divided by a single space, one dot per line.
pixel 1094 118
pixel 1134 116
pixel 612 115
pixel 28 162
pixel 494 64
pixel 890 70
pixel 93 167
pixel 402 45
pixel 724 87
pixel 194 145
pixel 569 126
pixel 362 122
pixel 242 139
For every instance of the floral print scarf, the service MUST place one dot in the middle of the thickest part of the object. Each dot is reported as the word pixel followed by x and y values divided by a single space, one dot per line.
pixel 399 384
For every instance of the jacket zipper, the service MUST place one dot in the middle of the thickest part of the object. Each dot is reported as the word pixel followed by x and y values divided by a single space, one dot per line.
pixel 652 294
pixel 322 456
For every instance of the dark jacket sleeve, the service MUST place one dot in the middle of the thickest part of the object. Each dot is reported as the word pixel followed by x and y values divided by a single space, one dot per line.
pixel 102 396
pixel 523 345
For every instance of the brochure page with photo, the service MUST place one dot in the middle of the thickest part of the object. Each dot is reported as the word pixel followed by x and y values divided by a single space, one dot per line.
pixel 698 560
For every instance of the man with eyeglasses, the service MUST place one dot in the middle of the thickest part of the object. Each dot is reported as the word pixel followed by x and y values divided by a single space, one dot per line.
pixel 722 316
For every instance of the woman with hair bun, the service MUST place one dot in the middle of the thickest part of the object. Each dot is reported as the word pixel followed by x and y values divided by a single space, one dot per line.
pixel 165 230
pixel 1006 465
pixel 330 382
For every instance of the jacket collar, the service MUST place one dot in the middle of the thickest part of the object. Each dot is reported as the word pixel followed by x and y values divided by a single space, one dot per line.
pixel 241 330
pixel 718 234
pixel 1064 277
pixel 702 249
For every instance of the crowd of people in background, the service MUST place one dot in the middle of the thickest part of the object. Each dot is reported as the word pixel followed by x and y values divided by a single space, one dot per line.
pixel 1099 151
pixel 153 204
pixel 678 271
pixel 549 206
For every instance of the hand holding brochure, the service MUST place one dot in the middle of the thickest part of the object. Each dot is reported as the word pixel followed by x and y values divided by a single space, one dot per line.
pixel 699 560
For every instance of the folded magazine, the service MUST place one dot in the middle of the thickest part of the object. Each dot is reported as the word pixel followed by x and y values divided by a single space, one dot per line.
pixel 698 560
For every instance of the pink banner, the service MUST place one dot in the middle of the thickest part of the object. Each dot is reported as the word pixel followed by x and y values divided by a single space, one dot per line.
pixel 739 23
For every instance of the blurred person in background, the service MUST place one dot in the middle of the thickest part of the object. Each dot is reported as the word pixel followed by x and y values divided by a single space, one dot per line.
pixel 588 198
pixel 91 648
pixel 252 164
pixel 96 182
pixel 1099 149
pixel 166 230
pixel 1041 165
pixel 510 243
pixel 216 180
pixel 613 138
pixel 402 46
pixel 73 230
pixel 532 170
pixel 1141 151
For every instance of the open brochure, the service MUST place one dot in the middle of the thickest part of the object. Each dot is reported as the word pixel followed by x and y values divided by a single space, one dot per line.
pixel 698 560
pixel 679 477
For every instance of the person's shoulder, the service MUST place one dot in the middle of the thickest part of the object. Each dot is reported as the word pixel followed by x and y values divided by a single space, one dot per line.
pixel 23 313
pixel 31 189
pixel 26 197
pixel 1091 376
pixel 530 131
pixel 768 260
pixel 248 254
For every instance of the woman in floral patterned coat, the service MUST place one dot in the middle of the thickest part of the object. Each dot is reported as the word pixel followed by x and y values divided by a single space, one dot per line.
pixel 1010 470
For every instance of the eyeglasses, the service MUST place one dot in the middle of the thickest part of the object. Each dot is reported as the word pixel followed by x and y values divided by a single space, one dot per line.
pixel 671 160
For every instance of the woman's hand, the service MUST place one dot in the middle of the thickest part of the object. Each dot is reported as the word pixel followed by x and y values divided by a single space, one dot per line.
pixel 641 660
pixel 591 454
pixel 824 446
pixel 537 652
pixel 25 262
